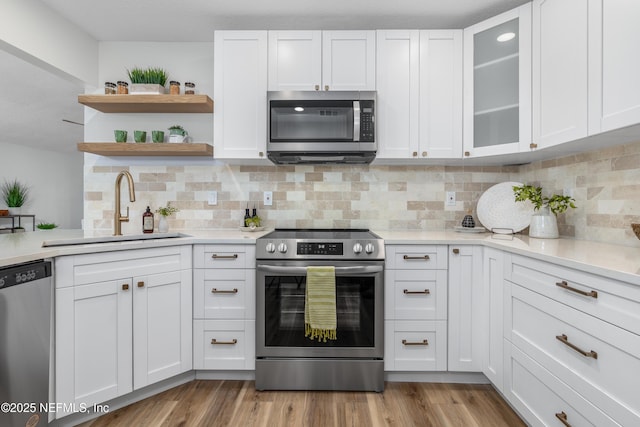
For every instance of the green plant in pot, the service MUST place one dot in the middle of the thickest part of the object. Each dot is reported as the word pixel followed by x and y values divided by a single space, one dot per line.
pixel 544 223
pixel 177 133
pixel 165 212
pixel 15 195
pixel 147 80
pixel 47 226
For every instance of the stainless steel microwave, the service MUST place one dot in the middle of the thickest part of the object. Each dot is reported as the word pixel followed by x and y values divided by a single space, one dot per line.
pixel 321 127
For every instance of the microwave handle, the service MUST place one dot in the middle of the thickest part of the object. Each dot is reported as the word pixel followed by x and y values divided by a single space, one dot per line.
pixel 302 271
pixel 356 121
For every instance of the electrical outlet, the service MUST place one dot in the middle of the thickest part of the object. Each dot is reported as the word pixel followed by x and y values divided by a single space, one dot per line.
pixel 451 198
pixel 212 198
pixel 268 198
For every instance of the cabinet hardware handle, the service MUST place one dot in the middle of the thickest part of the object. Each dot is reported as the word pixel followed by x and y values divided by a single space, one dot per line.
pixel 326 87
pixel 565 340
pixel 216 256
pixel 423 342
pixel 467 154
pixel 216 342
pixel 565 285
pixel 408 292
pixel 125 287
pixel 533 146
pixel 414 154
pixel 218 291
pixel 141 284
pixel 424 154
pixel 317 87
pixel 456 251
pixel 260 154
pixel 423 257
pixel 563 419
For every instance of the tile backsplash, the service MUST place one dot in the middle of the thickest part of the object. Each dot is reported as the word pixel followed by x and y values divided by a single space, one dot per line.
pixel 605 184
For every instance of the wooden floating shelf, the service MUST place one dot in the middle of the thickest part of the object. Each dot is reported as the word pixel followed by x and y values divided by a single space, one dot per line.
pixel 148 103
pixel 147 149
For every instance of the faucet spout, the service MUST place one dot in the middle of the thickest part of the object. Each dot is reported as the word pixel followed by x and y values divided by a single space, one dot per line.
pixel 118 219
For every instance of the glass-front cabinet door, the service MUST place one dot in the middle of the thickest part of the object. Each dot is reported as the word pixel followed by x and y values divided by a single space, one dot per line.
pixel 497 80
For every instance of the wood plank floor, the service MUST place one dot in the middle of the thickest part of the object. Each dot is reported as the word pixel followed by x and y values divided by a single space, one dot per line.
pixel 237 403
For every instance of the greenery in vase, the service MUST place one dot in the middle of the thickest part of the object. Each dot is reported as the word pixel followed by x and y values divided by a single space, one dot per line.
pixel 47 226
pixel 177 130
pixel 556 203
pixel 14 193
pixel 256 220
pixel 151 75
pixel 167 210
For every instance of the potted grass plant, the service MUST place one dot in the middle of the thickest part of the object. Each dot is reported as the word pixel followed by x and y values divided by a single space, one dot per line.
pixel 15 195
pixel 147 80
pixel 544 223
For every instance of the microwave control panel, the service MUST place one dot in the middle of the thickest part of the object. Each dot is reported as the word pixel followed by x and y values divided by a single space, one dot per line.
pixel 367 128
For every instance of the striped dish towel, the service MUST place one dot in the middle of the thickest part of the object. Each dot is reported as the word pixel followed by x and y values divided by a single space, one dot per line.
pixel 320 319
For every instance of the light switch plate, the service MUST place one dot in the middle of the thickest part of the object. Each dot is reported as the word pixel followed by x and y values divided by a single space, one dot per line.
pixel 451 198
pixel 212 198
pixel 268 198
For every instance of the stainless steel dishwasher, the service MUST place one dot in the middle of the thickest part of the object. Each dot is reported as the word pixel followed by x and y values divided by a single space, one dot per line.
pixel 26 292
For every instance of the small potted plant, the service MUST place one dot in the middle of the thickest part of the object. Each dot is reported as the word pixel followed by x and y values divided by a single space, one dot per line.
pixel 543 223
pixel 47 226
pixel 147 80
pixel 15 195
pixel 177 134
pixel 164 212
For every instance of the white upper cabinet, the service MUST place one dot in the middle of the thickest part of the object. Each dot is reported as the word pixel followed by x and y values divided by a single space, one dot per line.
pixel 316 60
pixel 240 86
pixel 614 93
pixel 560 71
pixel 497 82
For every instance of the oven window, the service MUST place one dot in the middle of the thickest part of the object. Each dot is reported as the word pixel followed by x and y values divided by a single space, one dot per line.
pixel 299 121
pixel 284 312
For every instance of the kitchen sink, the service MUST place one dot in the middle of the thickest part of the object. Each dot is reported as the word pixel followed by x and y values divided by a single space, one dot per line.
pixel 110 239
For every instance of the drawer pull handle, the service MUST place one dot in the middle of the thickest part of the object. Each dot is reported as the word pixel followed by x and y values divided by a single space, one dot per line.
pixel 423 342
pixel 222 291
pixel 456 251
pixel 141 284
pixel 216 342
pixel 565 285
pixel 565 340
pixel 125 287
pixel 216 256
pixel 408 292
pixel 424 257
pixel 563 419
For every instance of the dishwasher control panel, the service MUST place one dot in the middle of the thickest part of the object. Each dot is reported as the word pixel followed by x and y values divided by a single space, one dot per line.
pixel 24 273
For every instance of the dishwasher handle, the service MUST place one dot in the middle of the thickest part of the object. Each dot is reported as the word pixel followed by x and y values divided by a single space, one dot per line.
pixel 302 271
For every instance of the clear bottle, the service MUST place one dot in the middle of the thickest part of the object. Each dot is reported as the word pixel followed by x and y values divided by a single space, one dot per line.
pixel 109 88
pixel 189 88
pixel 174 87
pixel 147 221
pixel 123 88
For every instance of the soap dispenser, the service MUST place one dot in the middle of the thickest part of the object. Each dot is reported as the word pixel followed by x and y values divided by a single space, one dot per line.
pixel 147 221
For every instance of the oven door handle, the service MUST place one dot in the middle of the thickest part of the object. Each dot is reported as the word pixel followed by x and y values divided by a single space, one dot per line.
pixel 302 271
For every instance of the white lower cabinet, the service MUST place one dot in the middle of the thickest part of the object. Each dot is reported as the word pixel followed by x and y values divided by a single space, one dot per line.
pixel 415 308
pixel 224 307
pixel 123 321
pixel 492 318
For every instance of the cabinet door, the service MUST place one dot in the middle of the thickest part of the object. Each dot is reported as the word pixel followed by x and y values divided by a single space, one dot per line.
pixel 497 82
pixel 614 93
pixel 492 308
pixel 440 94
pixel 93 342
pixel 240 86
pixel 560 71
pixel 465 309
pixel 398 86
pixel 161 326
pixel 295 60
pixel 348 60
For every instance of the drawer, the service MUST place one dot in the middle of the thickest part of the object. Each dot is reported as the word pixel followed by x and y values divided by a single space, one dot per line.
pixel 415 295
pixel 416 257
pixel 224 256
pixel 224 294
pixel 415 346
pixel 590 355
pixel 542 399
pixel 223 345
pixel 616 302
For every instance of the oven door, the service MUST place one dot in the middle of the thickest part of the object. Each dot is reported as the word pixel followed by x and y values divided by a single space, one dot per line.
pixel 280 295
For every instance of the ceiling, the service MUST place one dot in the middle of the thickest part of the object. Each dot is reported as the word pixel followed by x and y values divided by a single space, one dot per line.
pixel 48 99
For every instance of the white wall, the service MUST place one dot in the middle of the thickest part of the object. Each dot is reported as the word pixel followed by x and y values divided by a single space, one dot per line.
pixel 55 180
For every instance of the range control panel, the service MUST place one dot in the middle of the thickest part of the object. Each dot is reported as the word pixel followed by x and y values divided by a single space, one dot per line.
pixel 315 248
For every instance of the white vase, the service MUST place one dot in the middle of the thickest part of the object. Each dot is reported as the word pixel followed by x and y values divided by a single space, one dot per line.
pixel 17 210
pixel 163 225
pixel 544 224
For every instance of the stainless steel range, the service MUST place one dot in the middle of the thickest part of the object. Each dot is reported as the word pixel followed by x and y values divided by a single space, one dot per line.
pixel 288 360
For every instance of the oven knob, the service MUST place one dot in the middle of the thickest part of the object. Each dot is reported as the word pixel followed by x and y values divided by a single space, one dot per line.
pixel 271 248
pixel 357 248
pixel 369 248
pixel 282 247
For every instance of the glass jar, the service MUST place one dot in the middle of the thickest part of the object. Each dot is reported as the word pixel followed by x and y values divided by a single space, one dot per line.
pixel 189 88
pixel 123 88
pixel 109 88
pixel 174 87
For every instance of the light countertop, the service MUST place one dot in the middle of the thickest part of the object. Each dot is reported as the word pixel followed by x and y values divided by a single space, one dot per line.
pixel 613 261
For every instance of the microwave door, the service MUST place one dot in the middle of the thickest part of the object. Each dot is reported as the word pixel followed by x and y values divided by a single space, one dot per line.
pixel 312 121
